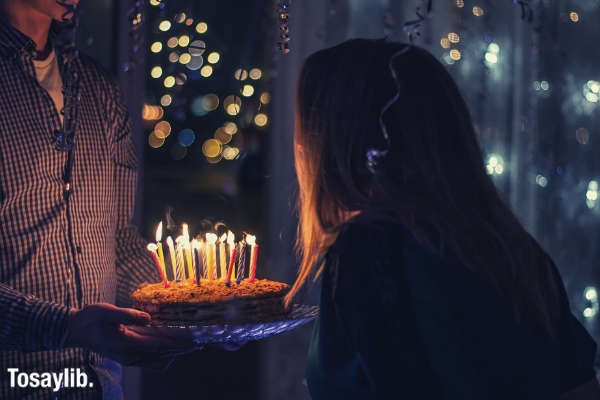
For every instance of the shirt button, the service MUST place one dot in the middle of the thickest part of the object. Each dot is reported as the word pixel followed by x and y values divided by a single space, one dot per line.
pixel 78 249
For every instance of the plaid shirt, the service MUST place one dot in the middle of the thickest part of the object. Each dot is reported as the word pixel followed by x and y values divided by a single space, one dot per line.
pixel 56 255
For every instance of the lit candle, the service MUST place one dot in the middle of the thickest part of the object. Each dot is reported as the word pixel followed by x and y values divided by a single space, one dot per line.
pixel 161 256
pixel 211 257
pixel 232 250
pixel 242 262
pixel 231 266
pixel 172 255
pixel 180 263
pixel 197 270
pixel 223 256
pixel 251 240
pixel 152 248
pixel 187 249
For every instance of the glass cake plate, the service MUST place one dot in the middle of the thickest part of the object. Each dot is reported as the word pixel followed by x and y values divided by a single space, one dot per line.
pixel 231 333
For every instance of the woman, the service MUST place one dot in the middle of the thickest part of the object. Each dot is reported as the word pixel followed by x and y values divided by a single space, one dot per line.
pixel 431 287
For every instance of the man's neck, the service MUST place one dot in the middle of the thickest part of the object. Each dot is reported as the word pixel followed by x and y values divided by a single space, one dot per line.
pixel 30 22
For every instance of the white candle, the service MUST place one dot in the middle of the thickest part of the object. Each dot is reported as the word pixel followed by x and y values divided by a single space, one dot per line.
pixel 172 255
pixel 187 249
pixel 211 257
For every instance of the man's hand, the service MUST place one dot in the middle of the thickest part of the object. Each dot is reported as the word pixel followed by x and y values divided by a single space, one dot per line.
pixel 101 328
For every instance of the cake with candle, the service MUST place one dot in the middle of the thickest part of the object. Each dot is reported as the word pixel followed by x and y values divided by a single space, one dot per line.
pixel 209 280
pixel 212 301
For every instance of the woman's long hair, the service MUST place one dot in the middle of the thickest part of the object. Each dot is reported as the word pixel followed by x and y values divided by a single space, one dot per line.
pixel 432 179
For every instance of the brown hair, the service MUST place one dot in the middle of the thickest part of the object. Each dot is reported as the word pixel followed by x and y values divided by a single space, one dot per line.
pixel 432 180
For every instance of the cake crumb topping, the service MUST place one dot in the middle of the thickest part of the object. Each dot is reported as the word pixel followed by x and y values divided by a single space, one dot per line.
pixel 210 291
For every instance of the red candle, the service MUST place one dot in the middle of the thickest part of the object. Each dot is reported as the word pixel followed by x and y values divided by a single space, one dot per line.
pixel 251 240
pixel 153 250
pixel 231 265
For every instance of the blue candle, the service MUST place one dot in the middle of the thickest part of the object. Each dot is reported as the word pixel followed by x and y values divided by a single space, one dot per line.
pixel 197 265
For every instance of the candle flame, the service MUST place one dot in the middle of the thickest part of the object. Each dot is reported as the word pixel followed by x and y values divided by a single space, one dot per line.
pixel 223 238
pixel 211 238
pixel 169 241
pixel 159 232
pixel 186 231
pixel 230 238
pixel 152 247
pixel 251 240
pixel 180 239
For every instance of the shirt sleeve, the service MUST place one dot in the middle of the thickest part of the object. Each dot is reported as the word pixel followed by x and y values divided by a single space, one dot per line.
pixel 134 264
pixel 577 347
pixel 30 324
pixel 372 304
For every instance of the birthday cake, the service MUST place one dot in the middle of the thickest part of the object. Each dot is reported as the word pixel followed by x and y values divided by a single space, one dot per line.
pixel 212 301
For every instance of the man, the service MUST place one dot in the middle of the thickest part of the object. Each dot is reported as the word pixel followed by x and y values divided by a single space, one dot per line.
pixel 68 250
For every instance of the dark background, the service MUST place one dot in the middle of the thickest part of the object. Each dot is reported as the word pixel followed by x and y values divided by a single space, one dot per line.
pixel 530 108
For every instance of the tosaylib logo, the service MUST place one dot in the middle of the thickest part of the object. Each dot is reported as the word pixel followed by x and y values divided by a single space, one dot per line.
pixel 68 378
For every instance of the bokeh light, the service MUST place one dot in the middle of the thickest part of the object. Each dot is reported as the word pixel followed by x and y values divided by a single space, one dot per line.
pixel 255 73
pixel 265 98
pixel 178 152
pixel 152 112
pixel 156 72
pixel 154 141
pixel 444 42
pixel 240 74
pixel 541 180
pixel 591 91
pixel 582 135
pixel 189 21
pixel 185 58
pixel 197 48
pixel 232 105
pixel 230 153
pixel 180 17
pixel 213 57
pixel 186 137
pixel 495 165
pixel 183 40
pixel 230 127
pixel 222 136
pixel 453 37
pixel 164 25
pixel 206 71
pixel 261 120
pixel 195 63
pixel 166 100
pixel 210 102
pixel 460 3
pixel 211 148
pixel 172 42
pixel 156 47
pixel 573 16
pixel 173 56
pixel 247 90
pixel 477 11
pixel 455 54
pixel 169 81
pixel 154 3
pixel 201 27
pixel 162 129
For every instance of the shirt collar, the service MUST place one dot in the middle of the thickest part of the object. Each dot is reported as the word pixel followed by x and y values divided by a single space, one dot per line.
pixel 13 41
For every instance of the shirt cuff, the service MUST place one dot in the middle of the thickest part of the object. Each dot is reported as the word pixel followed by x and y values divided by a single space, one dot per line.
pixel 47 326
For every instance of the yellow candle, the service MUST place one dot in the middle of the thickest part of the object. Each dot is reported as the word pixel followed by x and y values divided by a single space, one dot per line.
pixel 159 249
pixel 211 257
pixel 231 245
pixel 171 247
pixel 187 248
pixel 223 256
